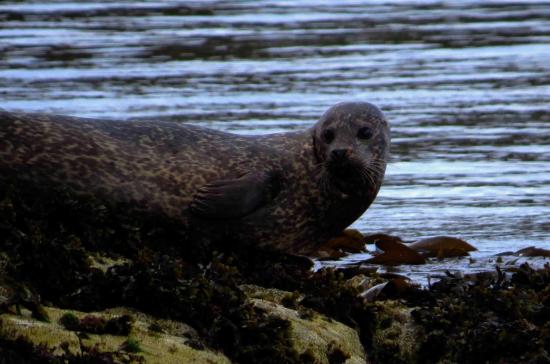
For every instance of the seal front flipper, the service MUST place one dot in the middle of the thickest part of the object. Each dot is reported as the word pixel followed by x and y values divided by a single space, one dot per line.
pixel 235 198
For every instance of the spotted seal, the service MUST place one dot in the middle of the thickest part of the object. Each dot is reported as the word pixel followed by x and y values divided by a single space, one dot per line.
pixel 286 191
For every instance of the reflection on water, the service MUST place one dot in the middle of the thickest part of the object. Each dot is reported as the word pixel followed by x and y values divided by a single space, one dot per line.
pixel 465 84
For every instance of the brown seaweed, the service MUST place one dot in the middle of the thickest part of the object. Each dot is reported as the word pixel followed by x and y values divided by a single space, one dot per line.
pixel 442 247
pixel 395 254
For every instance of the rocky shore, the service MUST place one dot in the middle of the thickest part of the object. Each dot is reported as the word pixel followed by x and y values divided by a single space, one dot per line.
pixel 82 282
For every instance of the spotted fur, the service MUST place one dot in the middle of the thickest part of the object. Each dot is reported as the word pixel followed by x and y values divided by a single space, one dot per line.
pixel 160 167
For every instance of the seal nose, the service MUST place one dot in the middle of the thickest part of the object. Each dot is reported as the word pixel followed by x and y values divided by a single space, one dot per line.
pixel 339 153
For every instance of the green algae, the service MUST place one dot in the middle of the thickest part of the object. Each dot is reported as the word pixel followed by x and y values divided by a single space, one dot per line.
pixel 70 321
pixel 131 345
pixel 36 342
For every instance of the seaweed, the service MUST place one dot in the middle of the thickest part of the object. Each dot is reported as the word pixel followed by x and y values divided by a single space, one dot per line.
pixel 131 345
pixel 48 239
pixel 489 319
pixel 120 325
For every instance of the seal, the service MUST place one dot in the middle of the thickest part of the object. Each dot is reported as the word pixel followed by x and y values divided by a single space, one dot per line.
pixel 288 191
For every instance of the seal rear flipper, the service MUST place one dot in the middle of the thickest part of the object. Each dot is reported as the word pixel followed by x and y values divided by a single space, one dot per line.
pixel 235 198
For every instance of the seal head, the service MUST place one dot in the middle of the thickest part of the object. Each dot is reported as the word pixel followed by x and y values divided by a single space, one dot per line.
pixel 352 146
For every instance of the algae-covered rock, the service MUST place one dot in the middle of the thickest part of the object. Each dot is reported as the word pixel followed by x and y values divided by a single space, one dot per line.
pixel 226 303
pixel 395 339
pixel 314 336
pixel 274 295
pixel 50 335
pixel 491 319
pixel 154 346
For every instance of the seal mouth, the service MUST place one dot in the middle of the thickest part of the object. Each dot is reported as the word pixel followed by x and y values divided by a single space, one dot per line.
pixel 344 169
pixel 352 175
pixel 346 175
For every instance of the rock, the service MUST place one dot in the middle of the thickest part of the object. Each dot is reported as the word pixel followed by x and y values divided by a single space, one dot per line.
pixel 316 335
pixel 313 336
pixel 395 340
pixel 156 347
pixel 270 294
pixel 51 335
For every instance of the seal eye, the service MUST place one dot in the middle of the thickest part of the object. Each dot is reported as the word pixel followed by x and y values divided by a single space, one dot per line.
pixel 328 136
pixel 364 133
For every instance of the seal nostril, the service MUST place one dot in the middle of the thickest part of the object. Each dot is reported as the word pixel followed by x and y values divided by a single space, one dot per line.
pixel 339 153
